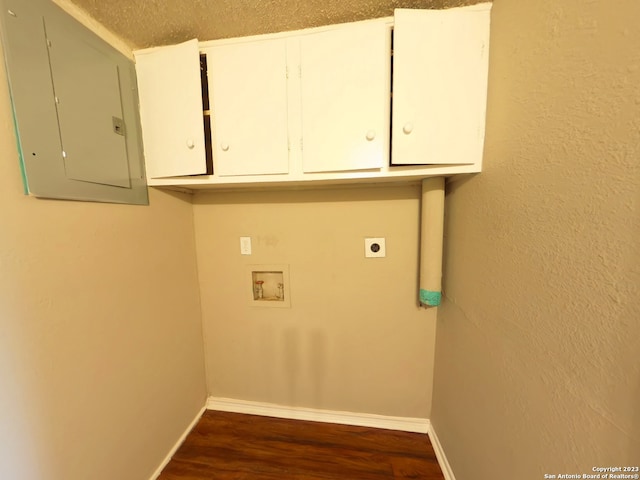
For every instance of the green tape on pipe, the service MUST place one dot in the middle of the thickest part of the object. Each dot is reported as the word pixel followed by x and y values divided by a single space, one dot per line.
pixel 430 298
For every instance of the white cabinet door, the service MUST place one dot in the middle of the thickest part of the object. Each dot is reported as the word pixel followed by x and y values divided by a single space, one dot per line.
pixel 248 88
pixel 440 85
pixel 170 94
pixel 345 83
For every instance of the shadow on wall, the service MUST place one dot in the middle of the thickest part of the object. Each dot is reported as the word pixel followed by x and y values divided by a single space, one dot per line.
pixel 305 358
pixel 452 185
pixel 291 359
pixel 354 193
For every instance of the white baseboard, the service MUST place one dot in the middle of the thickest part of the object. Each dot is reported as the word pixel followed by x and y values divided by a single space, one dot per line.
pixel 175 448
pixel 442 458
pixel 406 424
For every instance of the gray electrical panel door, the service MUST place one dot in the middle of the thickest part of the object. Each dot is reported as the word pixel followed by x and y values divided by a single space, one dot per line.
pixel 75 106
pixel 86 86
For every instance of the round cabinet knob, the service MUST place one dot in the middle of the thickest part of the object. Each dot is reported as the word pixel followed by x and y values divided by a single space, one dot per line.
pixel 190 143
pixel 371 134
pixel 224 147
pixel 408 128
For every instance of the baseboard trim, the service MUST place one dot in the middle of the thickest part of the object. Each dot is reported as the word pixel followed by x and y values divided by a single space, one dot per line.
pixel 442 458
pixel 175 448
pixel 405 424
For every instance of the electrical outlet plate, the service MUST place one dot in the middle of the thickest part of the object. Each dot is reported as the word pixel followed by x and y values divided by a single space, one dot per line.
pixel 245 245
pixel 374 247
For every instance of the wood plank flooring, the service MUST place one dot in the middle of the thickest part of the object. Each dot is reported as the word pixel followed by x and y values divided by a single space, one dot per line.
pixel 232 446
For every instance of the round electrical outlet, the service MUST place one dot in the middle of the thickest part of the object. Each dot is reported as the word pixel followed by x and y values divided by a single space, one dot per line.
pixel 374 247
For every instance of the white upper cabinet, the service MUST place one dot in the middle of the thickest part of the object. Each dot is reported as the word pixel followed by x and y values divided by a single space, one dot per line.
pixel 334 104
pixel 440 85
pixel 170 92
pixel 345 97
pixel 248 88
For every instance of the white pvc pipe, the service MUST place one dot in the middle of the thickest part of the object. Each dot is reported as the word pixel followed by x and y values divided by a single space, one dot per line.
pixel 431 239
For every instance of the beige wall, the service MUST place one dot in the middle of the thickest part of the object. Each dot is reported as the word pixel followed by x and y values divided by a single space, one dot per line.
pixel 537 359
pixel 354 338
pixel 101 360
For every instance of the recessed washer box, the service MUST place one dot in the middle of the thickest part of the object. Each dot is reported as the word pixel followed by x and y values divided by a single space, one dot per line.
pixel 269 285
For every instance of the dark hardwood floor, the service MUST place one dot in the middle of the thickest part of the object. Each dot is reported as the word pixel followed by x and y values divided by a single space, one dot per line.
pixel 232 446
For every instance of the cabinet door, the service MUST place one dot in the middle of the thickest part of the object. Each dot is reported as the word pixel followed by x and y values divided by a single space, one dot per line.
pixel 248 91
pixel 170 93
pixel 440 61
pixel 345 84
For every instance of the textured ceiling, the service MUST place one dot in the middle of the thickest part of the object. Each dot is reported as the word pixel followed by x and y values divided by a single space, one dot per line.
pixel 147 23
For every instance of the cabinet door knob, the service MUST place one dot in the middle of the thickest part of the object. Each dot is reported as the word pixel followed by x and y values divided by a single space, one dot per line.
pixel 190 143
pixel 408 128
pixel 371 134
pixel 224 147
